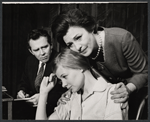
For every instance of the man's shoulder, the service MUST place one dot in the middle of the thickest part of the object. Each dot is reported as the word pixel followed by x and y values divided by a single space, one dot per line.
pixel 31 59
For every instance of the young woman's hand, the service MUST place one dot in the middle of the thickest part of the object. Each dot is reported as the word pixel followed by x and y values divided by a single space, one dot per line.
pixel 48 83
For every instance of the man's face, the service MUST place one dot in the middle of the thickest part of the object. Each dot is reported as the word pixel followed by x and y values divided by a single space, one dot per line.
pixel 41 49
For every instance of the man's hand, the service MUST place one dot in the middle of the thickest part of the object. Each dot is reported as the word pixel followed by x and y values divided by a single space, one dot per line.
pixel 21 94
pixel 34 99
pixel 65 97
pixel 121 94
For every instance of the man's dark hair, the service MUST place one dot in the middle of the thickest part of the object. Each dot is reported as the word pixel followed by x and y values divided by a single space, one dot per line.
pixel 36 33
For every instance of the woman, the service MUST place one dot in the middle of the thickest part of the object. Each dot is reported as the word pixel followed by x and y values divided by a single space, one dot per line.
pixel 90 98
pixel 114 52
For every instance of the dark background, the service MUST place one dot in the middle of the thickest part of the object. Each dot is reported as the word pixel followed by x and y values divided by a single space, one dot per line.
pixel 19 19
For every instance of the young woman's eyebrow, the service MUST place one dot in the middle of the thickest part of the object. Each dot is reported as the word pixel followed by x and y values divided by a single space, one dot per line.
pixel 69 43
pixel 61 75
pixel 76 36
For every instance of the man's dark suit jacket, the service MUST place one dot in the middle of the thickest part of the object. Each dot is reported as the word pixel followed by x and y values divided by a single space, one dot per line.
pixel 28 79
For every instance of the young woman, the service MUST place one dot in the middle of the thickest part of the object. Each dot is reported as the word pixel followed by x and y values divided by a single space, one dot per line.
pixel 114 52
pixel 90 98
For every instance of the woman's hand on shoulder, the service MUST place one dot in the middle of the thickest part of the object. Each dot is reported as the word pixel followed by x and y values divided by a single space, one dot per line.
pixel 121 94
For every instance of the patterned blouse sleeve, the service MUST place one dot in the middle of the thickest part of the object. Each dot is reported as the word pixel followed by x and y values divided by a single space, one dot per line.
pixel 63 111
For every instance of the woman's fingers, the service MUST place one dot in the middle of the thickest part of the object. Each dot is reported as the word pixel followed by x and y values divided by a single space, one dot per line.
pixel 119 88
pixel 118 85
pixel 62 101
pixel 44 81
pixel 52 78
pixel 121 99
pixel 120 93
pixel 64 97
pixel 49 81
pixel 124 105
pixel 45 86
pixel 69 92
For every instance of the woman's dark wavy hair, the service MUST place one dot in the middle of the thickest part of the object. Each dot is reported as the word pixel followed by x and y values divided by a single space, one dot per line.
pixel 36 33
pixel 70 59
pixel 73 17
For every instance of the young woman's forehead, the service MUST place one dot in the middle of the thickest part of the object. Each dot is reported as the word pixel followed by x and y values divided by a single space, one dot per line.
pixel 60 70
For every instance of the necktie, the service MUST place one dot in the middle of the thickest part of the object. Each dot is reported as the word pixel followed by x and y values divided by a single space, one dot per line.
pixel 39 77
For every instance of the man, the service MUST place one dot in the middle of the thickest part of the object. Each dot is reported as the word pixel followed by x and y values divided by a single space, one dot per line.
pixel 37 66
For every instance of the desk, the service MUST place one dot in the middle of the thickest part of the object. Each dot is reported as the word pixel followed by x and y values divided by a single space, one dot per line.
pixel 9 99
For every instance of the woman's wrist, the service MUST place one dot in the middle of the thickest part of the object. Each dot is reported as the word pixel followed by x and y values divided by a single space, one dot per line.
pixel 43 97
pixel 42 93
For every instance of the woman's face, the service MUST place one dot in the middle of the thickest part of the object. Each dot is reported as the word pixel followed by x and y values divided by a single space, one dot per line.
pixel 71 78
pixel 80 40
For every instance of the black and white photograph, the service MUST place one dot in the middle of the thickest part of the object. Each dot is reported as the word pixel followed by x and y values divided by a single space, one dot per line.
pixel 74 60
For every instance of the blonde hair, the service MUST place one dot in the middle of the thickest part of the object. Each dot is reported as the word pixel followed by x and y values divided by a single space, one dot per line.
pixel 70 59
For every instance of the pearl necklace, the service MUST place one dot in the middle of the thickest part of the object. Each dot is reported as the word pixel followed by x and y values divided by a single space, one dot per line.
pixel 99 47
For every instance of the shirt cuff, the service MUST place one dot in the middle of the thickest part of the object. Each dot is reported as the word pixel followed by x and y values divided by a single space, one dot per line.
pixel 131 87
